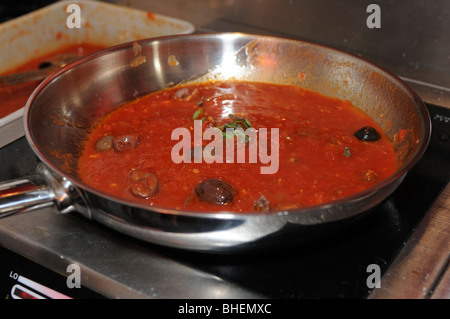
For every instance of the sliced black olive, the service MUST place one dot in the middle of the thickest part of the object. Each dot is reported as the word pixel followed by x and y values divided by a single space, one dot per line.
pixel 104 144
pixel 125 143
pixel 144 184
pixel 215 191
pixel 367 133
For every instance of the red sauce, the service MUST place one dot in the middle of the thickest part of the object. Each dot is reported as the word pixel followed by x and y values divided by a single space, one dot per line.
pixel 15 97
pixel 320 159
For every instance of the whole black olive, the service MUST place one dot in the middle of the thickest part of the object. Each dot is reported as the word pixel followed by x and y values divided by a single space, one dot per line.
pixel 367 133
pixel 125 143
pixel 104 144
pixel 215 191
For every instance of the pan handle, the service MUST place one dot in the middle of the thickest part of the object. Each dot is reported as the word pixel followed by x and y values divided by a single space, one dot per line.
pixel 42 190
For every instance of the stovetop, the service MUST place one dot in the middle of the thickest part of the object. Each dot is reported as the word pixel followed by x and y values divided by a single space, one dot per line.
pixel 114 265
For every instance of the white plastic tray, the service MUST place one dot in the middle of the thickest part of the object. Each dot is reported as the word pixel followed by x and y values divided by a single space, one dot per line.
pixel 45 30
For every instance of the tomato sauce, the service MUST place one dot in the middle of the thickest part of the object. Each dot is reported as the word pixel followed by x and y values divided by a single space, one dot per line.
pixel 320 159
pixel 15 97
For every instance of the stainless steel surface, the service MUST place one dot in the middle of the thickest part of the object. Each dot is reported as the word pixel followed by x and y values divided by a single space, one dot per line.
pixel 421 268
pixel 43 189
pixel 84 90
pixel 25 194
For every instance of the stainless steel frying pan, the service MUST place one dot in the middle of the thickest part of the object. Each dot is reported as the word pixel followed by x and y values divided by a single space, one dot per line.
pixel 61 111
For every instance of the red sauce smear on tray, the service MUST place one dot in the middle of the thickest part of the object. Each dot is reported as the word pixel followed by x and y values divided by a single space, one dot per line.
pixel 15 97
pixel 129 153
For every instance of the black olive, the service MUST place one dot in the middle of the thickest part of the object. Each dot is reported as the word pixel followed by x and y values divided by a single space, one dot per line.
pixel 367 133
pixel 215 191
pixel 144 184
pixel 44 65
pixel 125 143
pixel 104 144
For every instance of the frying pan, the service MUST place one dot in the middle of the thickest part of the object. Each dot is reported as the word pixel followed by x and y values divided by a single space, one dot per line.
pixel 60 112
